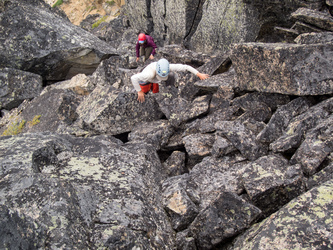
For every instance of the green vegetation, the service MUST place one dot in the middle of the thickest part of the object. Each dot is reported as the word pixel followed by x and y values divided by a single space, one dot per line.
pixel 95 25
pixel 59 2
pixel 14 128
pixel 17 127
pixel 111 3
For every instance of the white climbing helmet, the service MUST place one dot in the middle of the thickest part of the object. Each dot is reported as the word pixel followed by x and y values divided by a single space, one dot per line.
pixel 162 69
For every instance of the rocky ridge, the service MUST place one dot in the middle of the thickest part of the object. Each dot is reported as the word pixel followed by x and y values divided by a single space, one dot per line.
pixel 242 160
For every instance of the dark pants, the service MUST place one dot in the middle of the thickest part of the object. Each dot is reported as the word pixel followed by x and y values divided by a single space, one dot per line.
pixel 146 52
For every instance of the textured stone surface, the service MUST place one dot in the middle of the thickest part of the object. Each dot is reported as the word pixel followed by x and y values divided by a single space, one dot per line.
pixel 13 92
pixel 284 68
pixel 301 223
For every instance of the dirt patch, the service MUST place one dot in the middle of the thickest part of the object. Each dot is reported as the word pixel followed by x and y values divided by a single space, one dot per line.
pixel 78 10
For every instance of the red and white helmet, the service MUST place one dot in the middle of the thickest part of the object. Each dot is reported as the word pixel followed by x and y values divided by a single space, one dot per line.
pixel 142 38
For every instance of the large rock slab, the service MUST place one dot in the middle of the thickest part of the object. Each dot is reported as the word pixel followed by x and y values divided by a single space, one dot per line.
pixel 242 138
pixel 305 222
pixel 281 118
pixel 319 19
pixel 17 86
pixel 297 128
pixel 271 182
pixel 284 68
pixel 38 40
pixel 83 186
pixel 107 110
pixel 317 145
pixel 224 218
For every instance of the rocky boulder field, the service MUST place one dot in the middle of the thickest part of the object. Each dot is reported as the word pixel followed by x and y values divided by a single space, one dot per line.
pixel 241 160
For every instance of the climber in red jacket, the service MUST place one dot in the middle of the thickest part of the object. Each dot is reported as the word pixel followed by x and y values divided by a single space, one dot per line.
pixel 145 47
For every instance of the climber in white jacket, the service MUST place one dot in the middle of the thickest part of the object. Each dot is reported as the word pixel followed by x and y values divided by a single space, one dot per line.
pixel 156 72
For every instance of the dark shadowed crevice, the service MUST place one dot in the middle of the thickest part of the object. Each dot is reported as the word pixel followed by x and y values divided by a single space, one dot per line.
pixel 123 137
pixel 149 17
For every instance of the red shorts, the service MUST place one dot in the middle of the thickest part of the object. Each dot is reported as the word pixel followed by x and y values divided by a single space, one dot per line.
pixel 150 86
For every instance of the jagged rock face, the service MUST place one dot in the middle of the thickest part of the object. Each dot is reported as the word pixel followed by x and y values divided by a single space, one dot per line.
pixel 13 92
pixel 60 189
pixel 37 40
pixel 306 217
pixel 284 68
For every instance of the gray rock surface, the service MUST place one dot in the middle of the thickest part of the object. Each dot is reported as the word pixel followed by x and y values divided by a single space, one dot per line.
pixel 266 68
pixel 13 92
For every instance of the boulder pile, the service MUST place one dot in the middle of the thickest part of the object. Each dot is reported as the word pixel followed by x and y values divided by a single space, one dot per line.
pixel 241 160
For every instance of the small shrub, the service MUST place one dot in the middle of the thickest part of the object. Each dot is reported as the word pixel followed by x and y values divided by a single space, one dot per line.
pixel 59 2
pixel 95 25
pixel 14 128
pixel 34 121
pixel 111 3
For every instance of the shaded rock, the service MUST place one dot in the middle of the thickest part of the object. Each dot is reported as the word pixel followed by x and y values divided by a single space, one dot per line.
pixel 305 218
pixel 312 38
pixel 221 99
pixel 156 133
pixel 17 86
pixel 321 177
pixel 301 28
pixel 209 178
pixel 79 84
pixel 222 146
pixel 175 163
pixel 179 110
pixel 317 145
pixel 271 182
pixel 38 40
pixel 53 111
pixel 218 63
pixel 242 138
pixel 273 101
pixel 198 146
pixel 219 26
pixel 294 133
pixel 319 19
pixel 184 241
pixel 281 118
pixel 224 218
pixel 212 84
pixel 256 111
pixel 288 69
pixel 107 110
pixel 179 206
pixel 47 213
pixel 99 188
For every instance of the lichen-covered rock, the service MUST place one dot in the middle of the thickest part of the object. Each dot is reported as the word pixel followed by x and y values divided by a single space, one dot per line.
pixel 288 69
pixel 107 110
pixel 38 40
pixel 224 218
pixel 156 133
pixel 222 146
pixel 242 138
pixel 271 182
pixel 96 187
pixel 295 132
pixel 55 110
pixel 322 176
pixel 175 164
pixel 212 84
pixel 17 86
pixel 281 118
pixel 305 222
pixel 317 145
pixel 198 146
pixel 177 203
pixel 315 37
pixel 178 110
pixel 317 18
pixel 210 177
pixel 272 100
